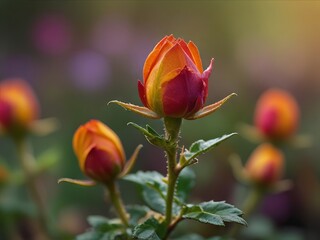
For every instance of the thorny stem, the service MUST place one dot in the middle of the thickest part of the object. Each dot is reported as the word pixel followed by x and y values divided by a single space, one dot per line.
pixel 117 202
pixel 27 163
pixel 249 205
pixel 172 129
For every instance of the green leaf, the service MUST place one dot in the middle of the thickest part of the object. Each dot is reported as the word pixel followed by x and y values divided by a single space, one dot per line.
pixel 90 235
pixel 215 213
pixel 103 229
pixel 150 230
pixel 153 188
pixel 104 224
pixel 190 237
pixel 151 135
pixel 137 213
pixel 202 146
pixel 186 182
pixel 198 237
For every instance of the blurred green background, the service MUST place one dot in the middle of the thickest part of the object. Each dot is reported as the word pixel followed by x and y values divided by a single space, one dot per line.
pixel 79 55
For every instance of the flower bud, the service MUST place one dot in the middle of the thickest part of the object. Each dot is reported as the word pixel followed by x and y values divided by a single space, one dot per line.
pixel 18 106
pixel 174 83
pixel 277 114
pixel 99 151
pixel 4 175
pixel 265 165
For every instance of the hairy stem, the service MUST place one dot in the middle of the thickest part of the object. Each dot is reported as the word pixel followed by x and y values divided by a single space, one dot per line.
pixel 172 128
pixel 117 202
pixel 27 163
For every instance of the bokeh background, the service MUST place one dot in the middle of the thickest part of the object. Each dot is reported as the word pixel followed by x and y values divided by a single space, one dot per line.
pixel 79 55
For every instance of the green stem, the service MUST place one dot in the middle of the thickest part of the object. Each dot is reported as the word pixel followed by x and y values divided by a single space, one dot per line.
pixel 250 204
pixel 117 202
pixel 28 163
pixel 172 128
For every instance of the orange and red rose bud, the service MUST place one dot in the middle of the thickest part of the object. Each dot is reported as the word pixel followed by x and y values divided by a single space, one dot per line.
pixel 174 82
pixel 18 106
pixel 265 165
pixel 99 151
pixel 276 114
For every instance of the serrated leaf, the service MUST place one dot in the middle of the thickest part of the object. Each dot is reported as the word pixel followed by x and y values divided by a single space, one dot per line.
pixel 185 183
pixel 143 178
pixel 215 213
pixel 201 146
pixel 150 134
pixel 149 230
pixel 153 188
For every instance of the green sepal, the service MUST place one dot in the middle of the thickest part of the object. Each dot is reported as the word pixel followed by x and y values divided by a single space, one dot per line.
pixel 200 147
pixel 151 135
pixel 215 213
pixel 150 230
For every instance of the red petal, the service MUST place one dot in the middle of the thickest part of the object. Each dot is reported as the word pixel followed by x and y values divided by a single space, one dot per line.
pixel 180 95
pixel 142 93
pixel 101 165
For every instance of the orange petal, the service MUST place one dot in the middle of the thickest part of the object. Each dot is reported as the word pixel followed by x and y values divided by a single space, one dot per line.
pixel 195 55
pixel 165 43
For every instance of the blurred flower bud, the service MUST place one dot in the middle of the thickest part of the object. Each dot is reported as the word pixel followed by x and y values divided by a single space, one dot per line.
pixel 276 114
pixel 4 175
pixel 174 84
pixel 265 165
pixel 18 106
pixel 99 151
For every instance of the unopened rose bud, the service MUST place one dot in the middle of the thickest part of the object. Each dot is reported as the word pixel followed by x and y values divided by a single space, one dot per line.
pixel 99 151
pixel 276 114
pixel 174 83
pixel 18 106
pixel 265 165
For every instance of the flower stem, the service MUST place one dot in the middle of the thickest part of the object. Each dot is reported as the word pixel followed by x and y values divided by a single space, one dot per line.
pixel 250 204
pixel 172 128
pixel 117 202
pixel 28 163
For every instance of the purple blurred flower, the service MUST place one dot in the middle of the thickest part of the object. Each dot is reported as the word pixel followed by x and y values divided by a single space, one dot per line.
pixel 51 34
pixel 112 36
pixel 21 66
pixel 89 70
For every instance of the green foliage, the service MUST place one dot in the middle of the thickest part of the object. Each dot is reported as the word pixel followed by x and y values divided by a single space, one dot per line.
pixel 104 228
pixel 185 183
pixel 198 237
pixel 150 134
pixel 201 146
pixel 153 188
pixel 137 213
pixel 150 230
pixel 215 213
